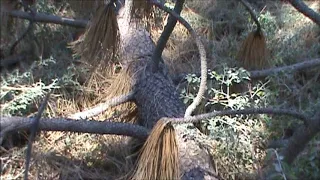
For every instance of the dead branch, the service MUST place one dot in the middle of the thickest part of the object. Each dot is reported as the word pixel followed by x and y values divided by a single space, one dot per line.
pixel 103 106
pixel 203 59
pixel 305 10
pixel 45 18
pixel 11 124
pixel 257 74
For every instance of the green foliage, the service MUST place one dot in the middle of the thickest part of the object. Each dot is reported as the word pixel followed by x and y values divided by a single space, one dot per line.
pixel 268 23
pixel 239 139
pixel 20 92
pixel 236 138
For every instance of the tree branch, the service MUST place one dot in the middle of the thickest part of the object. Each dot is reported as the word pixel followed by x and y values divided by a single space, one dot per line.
pixel 248 111
pixel 103 106
pixel 203 59
pixel 301 138
pixel 253 16
pixel 267 72
pixel 305 10
pixel 44 18
pixel 294 67
pixel 171 23
pixel 10 124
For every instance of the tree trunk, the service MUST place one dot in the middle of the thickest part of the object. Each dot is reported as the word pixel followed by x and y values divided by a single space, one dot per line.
pixel 156 97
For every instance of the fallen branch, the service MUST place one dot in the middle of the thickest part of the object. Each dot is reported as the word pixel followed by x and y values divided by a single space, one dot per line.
pixel 44 18
pixel 267 72
pixel 11 124
pixel 102 107
pixel 305 10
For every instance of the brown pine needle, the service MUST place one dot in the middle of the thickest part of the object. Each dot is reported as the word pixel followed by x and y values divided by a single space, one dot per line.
pixel 159 155
pixel 253 54
pixel 102 38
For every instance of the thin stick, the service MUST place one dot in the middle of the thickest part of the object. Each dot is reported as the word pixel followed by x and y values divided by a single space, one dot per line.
pixel 34 129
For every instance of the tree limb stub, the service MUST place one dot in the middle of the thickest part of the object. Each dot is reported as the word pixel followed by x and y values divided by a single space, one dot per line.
pixel 45 18
pixel 103 106
pixel 10 124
